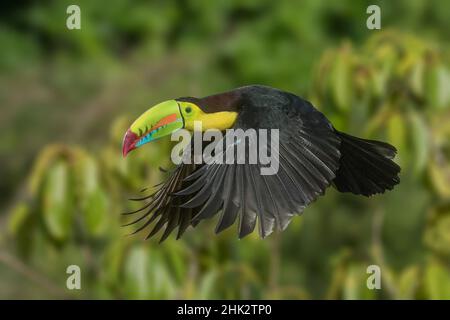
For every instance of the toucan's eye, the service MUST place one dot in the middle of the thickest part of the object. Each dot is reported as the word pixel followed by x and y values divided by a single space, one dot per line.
pixel 188 109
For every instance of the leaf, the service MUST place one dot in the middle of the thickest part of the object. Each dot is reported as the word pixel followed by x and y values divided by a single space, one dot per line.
pixel 162 286
pixel 397 136
pixel 95 212
pixel 379 80
pixel 341 84
pixel 440 178
pixel 176 257
pixel 113 261
pixel 378 119
pixel 385 58
pixel 436 84
pixel 41 165
pixel 22 225
pixel 146 275
pixel 407 283
pixel 417 78
pixel 437 281
pixel 206 287
pixel 94 201
pixel 136 273
pixel 350 291
pixel 18 217
pixel 420 137
pixel 437 232
pixel 57 201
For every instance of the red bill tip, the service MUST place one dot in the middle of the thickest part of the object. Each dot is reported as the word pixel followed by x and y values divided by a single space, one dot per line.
pixel 129 141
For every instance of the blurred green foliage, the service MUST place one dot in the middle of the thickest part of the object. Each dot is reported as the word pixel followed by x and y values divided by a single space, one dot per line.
pixel 67 98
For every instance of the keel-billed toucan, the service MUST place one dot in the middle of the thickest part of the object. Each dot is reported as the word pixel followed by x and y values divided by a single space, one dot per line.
pixel 312 156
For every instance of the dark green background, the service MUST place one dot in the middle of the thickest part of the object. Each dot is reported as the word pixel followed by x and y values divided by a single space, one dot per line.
pixel 67 97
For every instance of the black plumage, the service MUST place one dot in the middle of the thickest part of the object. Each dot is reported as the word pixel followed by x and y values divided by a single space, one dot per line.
pixel 312 156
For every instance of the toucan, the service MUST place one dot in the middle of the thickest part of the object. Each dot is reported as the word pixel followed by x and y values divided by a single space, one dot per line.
pixel 312 154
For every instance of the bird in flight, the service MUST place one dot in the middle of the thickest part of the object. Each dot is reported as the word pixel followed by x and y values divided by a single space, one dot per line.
pixel 312 155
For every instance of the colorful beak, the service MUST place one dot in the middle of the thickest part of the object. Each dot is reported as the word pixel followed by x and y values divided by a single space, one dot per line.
pixel 129 141
pixel 157 122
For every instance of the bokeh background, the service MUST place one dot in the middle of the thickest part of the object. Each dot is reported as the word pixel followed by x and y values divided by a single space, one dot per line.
pixel 67 97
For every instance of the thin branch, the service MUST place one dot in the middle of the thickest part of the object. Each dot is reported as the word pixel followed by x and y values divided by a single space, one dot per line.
pixel 21 268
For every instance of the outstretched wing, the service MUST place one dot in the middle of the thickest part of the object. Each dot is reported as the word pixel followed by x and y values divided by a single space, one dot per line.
pixel 162 209
pixel 308 160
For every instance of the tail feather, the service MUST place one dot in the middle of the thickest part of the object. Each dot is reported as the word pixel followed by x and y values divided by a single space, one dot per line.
pixel 366 166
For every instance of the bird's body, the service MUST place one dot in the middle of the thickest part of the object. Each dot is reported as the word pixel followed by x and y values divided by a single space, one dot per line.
pixel 313 155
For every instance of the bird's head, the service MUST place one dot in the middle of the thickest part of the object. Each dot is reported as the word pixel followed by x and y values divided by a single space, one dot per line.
pixel 214 112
